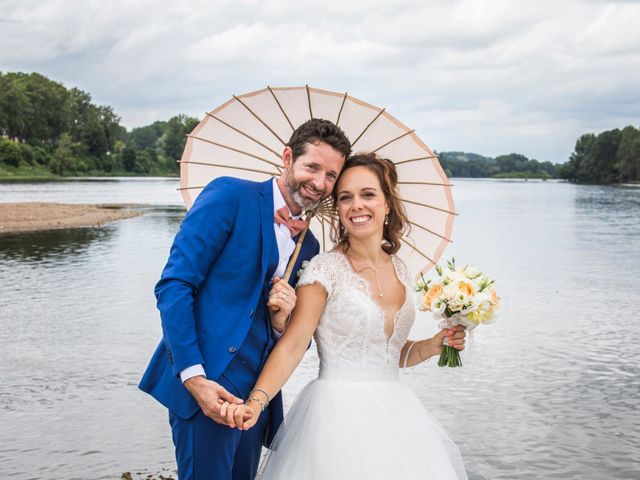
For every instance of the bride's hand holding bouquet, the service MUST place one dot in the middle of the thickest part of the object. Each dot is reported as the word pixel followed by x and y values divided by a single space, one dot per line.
pixel 458 296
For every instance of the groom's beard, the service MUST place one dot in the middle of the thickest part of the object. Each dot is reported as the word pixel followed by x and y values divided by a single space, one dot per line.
pixel 293 187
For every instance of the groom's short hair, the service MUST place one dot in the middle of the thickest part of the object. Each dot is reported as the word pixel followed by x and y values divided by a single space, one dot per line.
pixel 318 130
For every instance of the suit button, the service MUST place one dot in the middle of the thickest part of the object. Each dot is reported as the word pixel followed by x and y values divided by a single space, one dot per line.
pixel 232 349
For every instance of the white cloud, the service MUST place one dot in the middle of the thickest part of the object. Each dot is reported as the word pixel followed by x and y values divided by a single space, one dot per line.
pixel 486 76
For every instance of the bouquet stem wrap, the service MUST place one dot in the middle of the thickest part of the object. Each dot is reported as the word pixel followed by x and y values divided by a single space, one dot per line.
pixel 450 357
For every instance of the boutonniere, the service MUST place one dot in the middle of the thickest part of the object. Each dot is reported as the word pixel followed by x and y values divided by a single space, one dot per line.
pixel 303 265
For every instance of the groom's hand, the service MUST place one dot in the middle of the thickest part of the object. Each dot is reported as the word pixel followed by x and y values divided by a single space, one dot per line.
pixel 210 396
pixel 282 299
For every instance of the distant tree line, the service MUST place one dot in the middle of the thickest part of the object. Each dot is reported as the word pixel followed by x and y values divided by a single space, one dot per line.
pixel 46 127
pixel 608 157
pixel 612 156
pixel 513 165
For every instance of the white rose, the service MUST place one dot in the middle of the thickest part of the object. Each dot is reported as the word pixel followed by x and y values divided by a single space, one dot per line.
pixel 450 291
pixel 467 309
pixel 455 306
pixel 438 306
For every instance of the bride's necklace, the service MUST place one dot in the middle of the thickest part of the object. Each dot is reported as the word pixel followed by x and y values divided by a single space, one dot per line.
pixel 375 269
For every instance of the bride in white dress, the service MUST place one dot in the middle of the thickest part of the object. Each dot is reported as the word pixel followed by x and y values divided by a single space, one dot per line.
pixel 356 421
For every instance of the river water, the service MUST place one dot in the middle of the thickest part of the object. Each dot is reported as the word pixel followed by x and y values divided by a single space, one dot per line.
pixel 552 390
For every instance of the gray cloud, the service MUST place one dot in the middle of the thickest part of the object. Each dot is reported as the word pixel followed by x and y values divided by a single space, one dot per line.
pixel 486 76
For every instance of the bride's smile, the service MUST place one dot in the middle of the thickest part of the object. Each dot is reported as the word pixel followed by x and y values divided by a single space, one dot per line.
pixel 360 220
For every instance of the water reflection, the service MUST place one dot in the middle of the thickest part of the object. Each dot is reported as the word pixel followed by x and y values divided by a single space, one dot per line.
pixel 610 200
pixel 169 217
pixel 50 244
pixel 607 223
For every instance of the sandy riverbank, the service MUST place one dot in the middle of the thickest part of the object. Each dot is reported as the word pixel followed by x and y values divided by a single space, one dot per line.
pixel 27 217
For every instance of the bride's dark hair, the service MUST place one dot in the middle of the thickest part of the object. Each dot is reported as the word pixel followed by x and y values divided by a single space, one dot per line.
pixel 397 223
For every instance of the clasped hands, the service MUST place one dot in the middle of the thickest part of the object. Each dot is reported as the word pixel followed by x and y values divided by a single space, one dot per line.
pixel 221 406
pixel 242 417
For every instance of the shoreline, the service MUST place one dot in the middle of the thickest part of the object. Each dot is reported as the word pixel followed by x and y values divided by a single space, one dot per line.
pixel 91 178
pixel 96 177
pixel 39 216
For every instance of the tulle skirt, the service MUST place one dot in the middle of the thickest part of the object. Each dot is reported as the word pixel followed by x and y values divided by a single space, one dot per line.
pixel 339 429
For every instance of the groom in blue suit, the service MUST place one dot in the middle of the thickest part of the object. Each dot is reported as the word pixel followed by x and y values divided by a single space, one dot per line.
pixel 224 267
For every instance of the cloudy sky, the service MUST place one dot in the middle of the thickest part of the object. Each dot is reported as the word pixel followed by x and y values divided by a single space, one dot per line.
pixel 485 76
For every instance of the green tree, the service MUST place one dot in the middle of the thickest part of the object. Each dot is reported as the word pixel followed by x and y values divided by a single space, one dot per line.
pixel 14 106
pixel 145 161
pixel 608 157
pixel 10 153
pixel 39 107
pixel 511 163
pixel 462 164
pixel 147 137
pixel 601 160
pixel 81 111
pixel 63 156
pixel 574 169
pixel 129 159
pixel 111 124
pixel 95 138
pixel 628 155
pixel 173 138
pixel 49 109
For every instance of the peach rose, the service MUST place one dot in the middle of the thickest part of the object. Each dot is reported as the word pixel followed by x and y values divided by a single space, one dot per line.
pixel 466 288
pixel 431 295
pixel 494 298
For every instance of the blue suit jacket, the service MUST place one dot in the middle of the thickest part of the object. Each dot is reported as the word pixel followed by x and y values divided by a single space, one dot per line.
pixel 211 287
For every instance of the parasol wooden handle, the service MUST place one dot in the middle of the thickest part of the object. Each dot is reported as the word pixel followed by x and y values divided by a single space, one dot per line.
pixel 296 252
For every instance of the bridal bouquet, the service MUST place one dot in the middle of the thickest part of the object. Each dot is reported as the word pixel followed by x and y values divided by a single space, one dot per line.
pixel 458 296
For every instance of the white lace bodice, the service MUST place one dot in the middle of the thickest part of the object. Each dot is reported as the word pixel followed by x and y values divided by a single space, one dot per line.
pixel 350 334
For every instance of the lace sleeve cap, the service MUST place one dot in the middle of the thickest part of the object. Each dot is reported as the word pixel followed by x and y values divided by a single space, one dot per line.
pixel 402 271
pixel 403 274
pixel 319 269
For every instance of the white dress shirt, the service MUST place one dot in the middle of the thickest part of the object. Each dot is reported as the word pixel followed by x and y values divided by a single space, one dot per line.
pixel 286 246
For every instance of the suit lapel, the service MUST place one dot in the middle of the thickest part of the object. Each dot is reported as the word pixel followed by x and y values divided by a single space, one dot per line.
pixel 269 260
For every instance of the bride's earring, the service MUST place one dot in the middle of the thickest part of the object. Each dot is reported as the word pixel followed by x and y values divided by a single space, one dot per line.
pixel 386 219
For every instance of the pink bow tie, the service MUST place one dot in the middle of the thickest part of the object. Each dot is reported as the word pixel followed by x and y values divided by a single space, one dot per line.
pixel 281 217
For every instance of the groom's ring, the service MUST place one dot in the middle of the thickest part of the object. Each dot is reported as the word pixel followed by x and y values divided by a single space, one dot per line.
pixel 283 295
